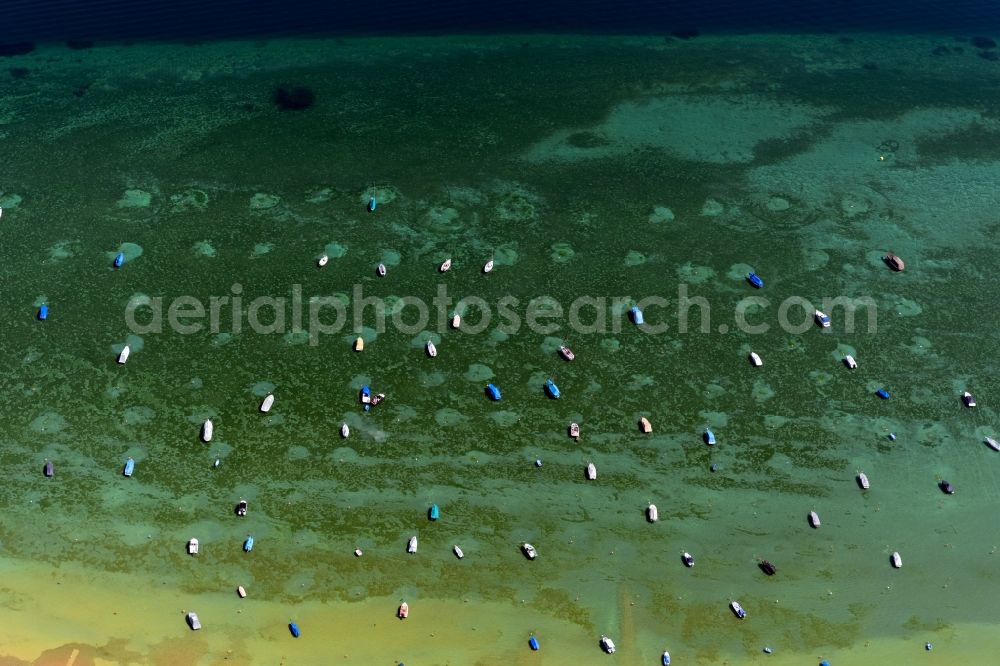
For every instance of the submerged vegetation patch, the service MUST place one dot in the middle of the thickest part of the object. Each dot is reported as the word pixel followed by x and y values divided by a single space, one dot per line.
pixel 294 98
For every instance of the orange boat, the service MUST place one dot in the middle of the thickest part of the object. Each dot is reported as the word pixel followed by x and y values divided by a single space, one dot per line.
pixel 404 611
pixel 895 263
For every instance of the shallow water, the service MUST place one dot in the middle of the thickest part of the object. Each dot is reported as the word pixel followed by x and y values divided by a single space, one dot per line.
pixel 176 156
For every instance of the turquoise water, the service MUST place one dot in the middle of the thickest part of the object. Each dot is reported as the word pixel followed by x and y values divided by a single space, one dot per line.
pixel 606 168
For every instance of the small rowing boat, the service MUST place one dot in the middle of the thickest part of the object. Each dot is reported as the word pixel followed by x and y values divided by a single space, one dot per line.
pixel 434 512
pixel 123 355
pixel 607 645
pixel 431 349
pixel 636 314
pixel 207 430
pixel 241 508
pixel 456 320
pixel 493 392
pixel 458 551
pixel 345 430
pixel 882 393
pixel 894 262
pixel 755 360
pixel 992 443
pixel 380 271
pixel 552 389
pixel 574 430
pixel 294 629
pixel 755 280
pixel 850 362
pixel 822 319
pixel 591 471
pixel 529 551
pixel 566 353
pixel 533 643
pixel 688 560
pixel 666 658
pixel 192 620
pixel 192 546
pixel 119 259
pixel 709 437
pixel 43 312
pixel 863 481
pixel 652 514
pixel 248 544
pixel 323 261
pixel 445 266
pixel 129 467
pixel 814 519
pixel 372 204
pixel 268 402
pixel 488 267
pixel 737 609
pixel 404 610
pixel 897 561
pixel 411 545
pixel 48 470
pixel 241 592
pixel 645 426
pixel 968 399
pixel 767 567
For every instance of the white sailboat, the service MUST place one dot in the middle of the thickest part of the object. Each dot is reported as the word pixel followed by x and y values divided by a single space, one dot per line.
pixel 652 514
pixel 345 431
pixel 488 267
pixel 445 266
pixel 458 552
pixel 323 261
pixel 591 471
pixel 431 349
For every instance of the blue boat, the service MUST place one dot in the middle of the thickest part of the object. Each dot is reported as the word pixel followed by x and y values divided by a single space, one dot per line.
pixel 434 513
pixel 755 280
pixel 493 392
pixel 709 437
pixel 119 260
pixel 43 312
pixel 248 544
pixel 129 467
pixel 294 628
pixel 366 397
pixel 371 204
pixel 636 316
pixel 882 393
pixel 533 643
pixel 666 658
pixel 551 388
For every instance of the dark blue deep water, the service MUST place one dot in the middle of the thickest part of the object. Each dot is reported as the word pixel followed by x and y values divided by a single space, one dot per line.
pixel 220 19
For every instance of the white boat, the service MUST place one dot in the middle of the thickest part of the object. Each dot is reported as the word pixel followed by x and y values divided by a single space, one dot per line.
pixel 431 349
pixel 192 547
pixel 193 621
pixel 814 519
pixel 968 399
pixel 344 431
pixel 529 551
pixel 359 344
pixel 411 545
pixel 688 560
pixel 607 645
pixel 488 267
pixel 897 561
pixel 323 261
pixel 755 360
pixel 445 266
pixel 241 591
pixel 123 356
pixel 358 552
pixel 591 471
pixel 456 321
pixel 266 405
pixel 863 481
pixel 380 270
pixel 850 362
pixel 458 552
pixel 207 429
pixel 992 443
pixel 822 319
pixel 737 609
pixel 645 426
pixel 652 515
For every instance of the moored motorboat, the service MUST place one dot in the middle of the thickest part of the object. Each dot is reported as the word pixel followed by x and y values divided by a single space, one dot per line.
pixel 207 430
pixel 241 592
pixel 968 399
pixel 533 643
pixel 48 469
pixel 863 481
pixel 445 266
pixel 241 508
pixel 636 315
pixel 894 262
pixel 666 658
pixel 551 389
pixel 456 320
pixel 687 559
pixel 380 270
pixel 607 645
pixel 652 514
pixel 574 430
pixel 645 426
pixel 755 360
pixel 265 406
pixel 43 312
pixel 359 344
pixel 404 610
pixel 192 620
pixel 372 204
pixel 850 362
pixel 192 546
pixel 822 319
pixel 896 560
pixel 566 353
pixel 882 393
pixel 248 544
pixel 411 545
pixel 434 512
pixel 767 567
pixel 488 267
pixel 529 551
pixel 294 630
pixel 458 551
pixel 377 398
pixel 946 487
pixel 323 261
pixel 119 259
pixel 814 519
pixel 591 471
pixel 431 349
pixel 992 443
pixel 493 392
pixel 366 397
pixel 345 430
pixel 755 280
pixel 358 552
pixel 737 609
pixel 129 467
pixel 709 437
pixel 123 354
